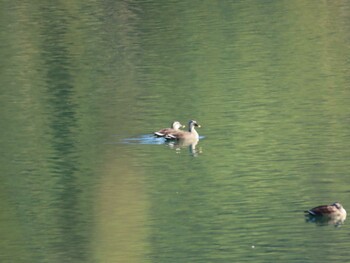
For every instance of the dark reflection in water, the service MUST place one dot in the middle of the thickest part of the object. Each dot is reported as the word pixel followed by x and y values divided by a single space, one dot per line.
pixel 61 110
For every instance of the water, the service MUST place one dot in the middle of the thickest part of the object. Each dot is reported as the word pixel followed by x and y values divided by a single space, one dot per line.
pixel 84 85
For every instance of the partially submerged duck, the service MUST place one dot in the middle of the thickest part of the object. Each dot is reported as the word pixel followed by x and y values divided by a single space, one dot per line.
pixel 327 214
pixel 335 209
pixel 191 134
pixel 175 126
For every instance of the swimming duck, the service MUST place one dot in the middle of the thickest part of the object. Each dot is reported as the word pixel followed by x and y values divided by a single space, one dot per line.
pixel 191 134
pixel 335 209
pixel 175 126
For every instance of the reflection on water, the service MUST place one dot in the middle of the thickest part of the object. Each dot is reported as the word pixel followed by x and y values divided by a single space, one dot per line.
pixel 336 220
pixel 177 145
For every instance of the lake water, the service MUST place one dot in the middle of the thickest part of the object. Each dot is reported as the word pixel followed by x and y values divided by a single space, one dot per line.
pixel 84 84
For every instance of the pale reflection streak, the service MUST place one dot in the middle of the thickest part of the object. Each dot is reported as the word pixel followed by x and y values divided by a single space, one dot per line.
pixel 120 207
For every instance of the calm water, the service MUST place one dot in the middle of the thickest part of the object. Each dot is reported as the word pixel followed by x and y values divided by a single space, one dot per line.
pixel 85 83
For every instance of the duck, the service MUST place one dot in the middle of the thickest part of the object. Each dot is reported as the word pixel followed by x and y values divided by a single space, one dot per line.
pixel 191 134
pixel 333 214
pixel 335 209
pixel 175 126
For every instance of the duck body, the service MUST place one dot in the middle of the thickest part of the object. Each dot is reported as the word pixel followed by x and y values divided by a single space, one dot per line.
pixel 335 209
pixel 191 134
pixel 175 127
pixel 333 214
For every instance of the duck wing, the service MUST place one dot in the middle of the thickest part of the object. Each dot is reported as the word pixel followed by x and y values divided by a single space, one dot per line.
pixel 163 132
pixel 322 210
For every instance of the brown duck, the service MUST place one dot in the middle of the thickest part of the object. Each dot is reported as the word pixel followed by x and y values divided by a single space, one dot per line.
pixel 175 126
pixel 335 209
pixel 191 134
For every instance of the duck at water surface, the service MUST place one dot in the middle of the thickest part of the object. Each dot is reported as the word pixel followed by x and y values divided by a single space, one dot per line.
pixel 327 214
pixel 175 126
pixel 335 209
pixel 191 134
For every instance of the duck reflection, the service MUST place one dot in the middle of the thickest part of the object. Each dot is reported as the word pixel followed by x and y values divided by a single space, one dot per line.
pixel 326 220
pixel 184 143
pixel 333 214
